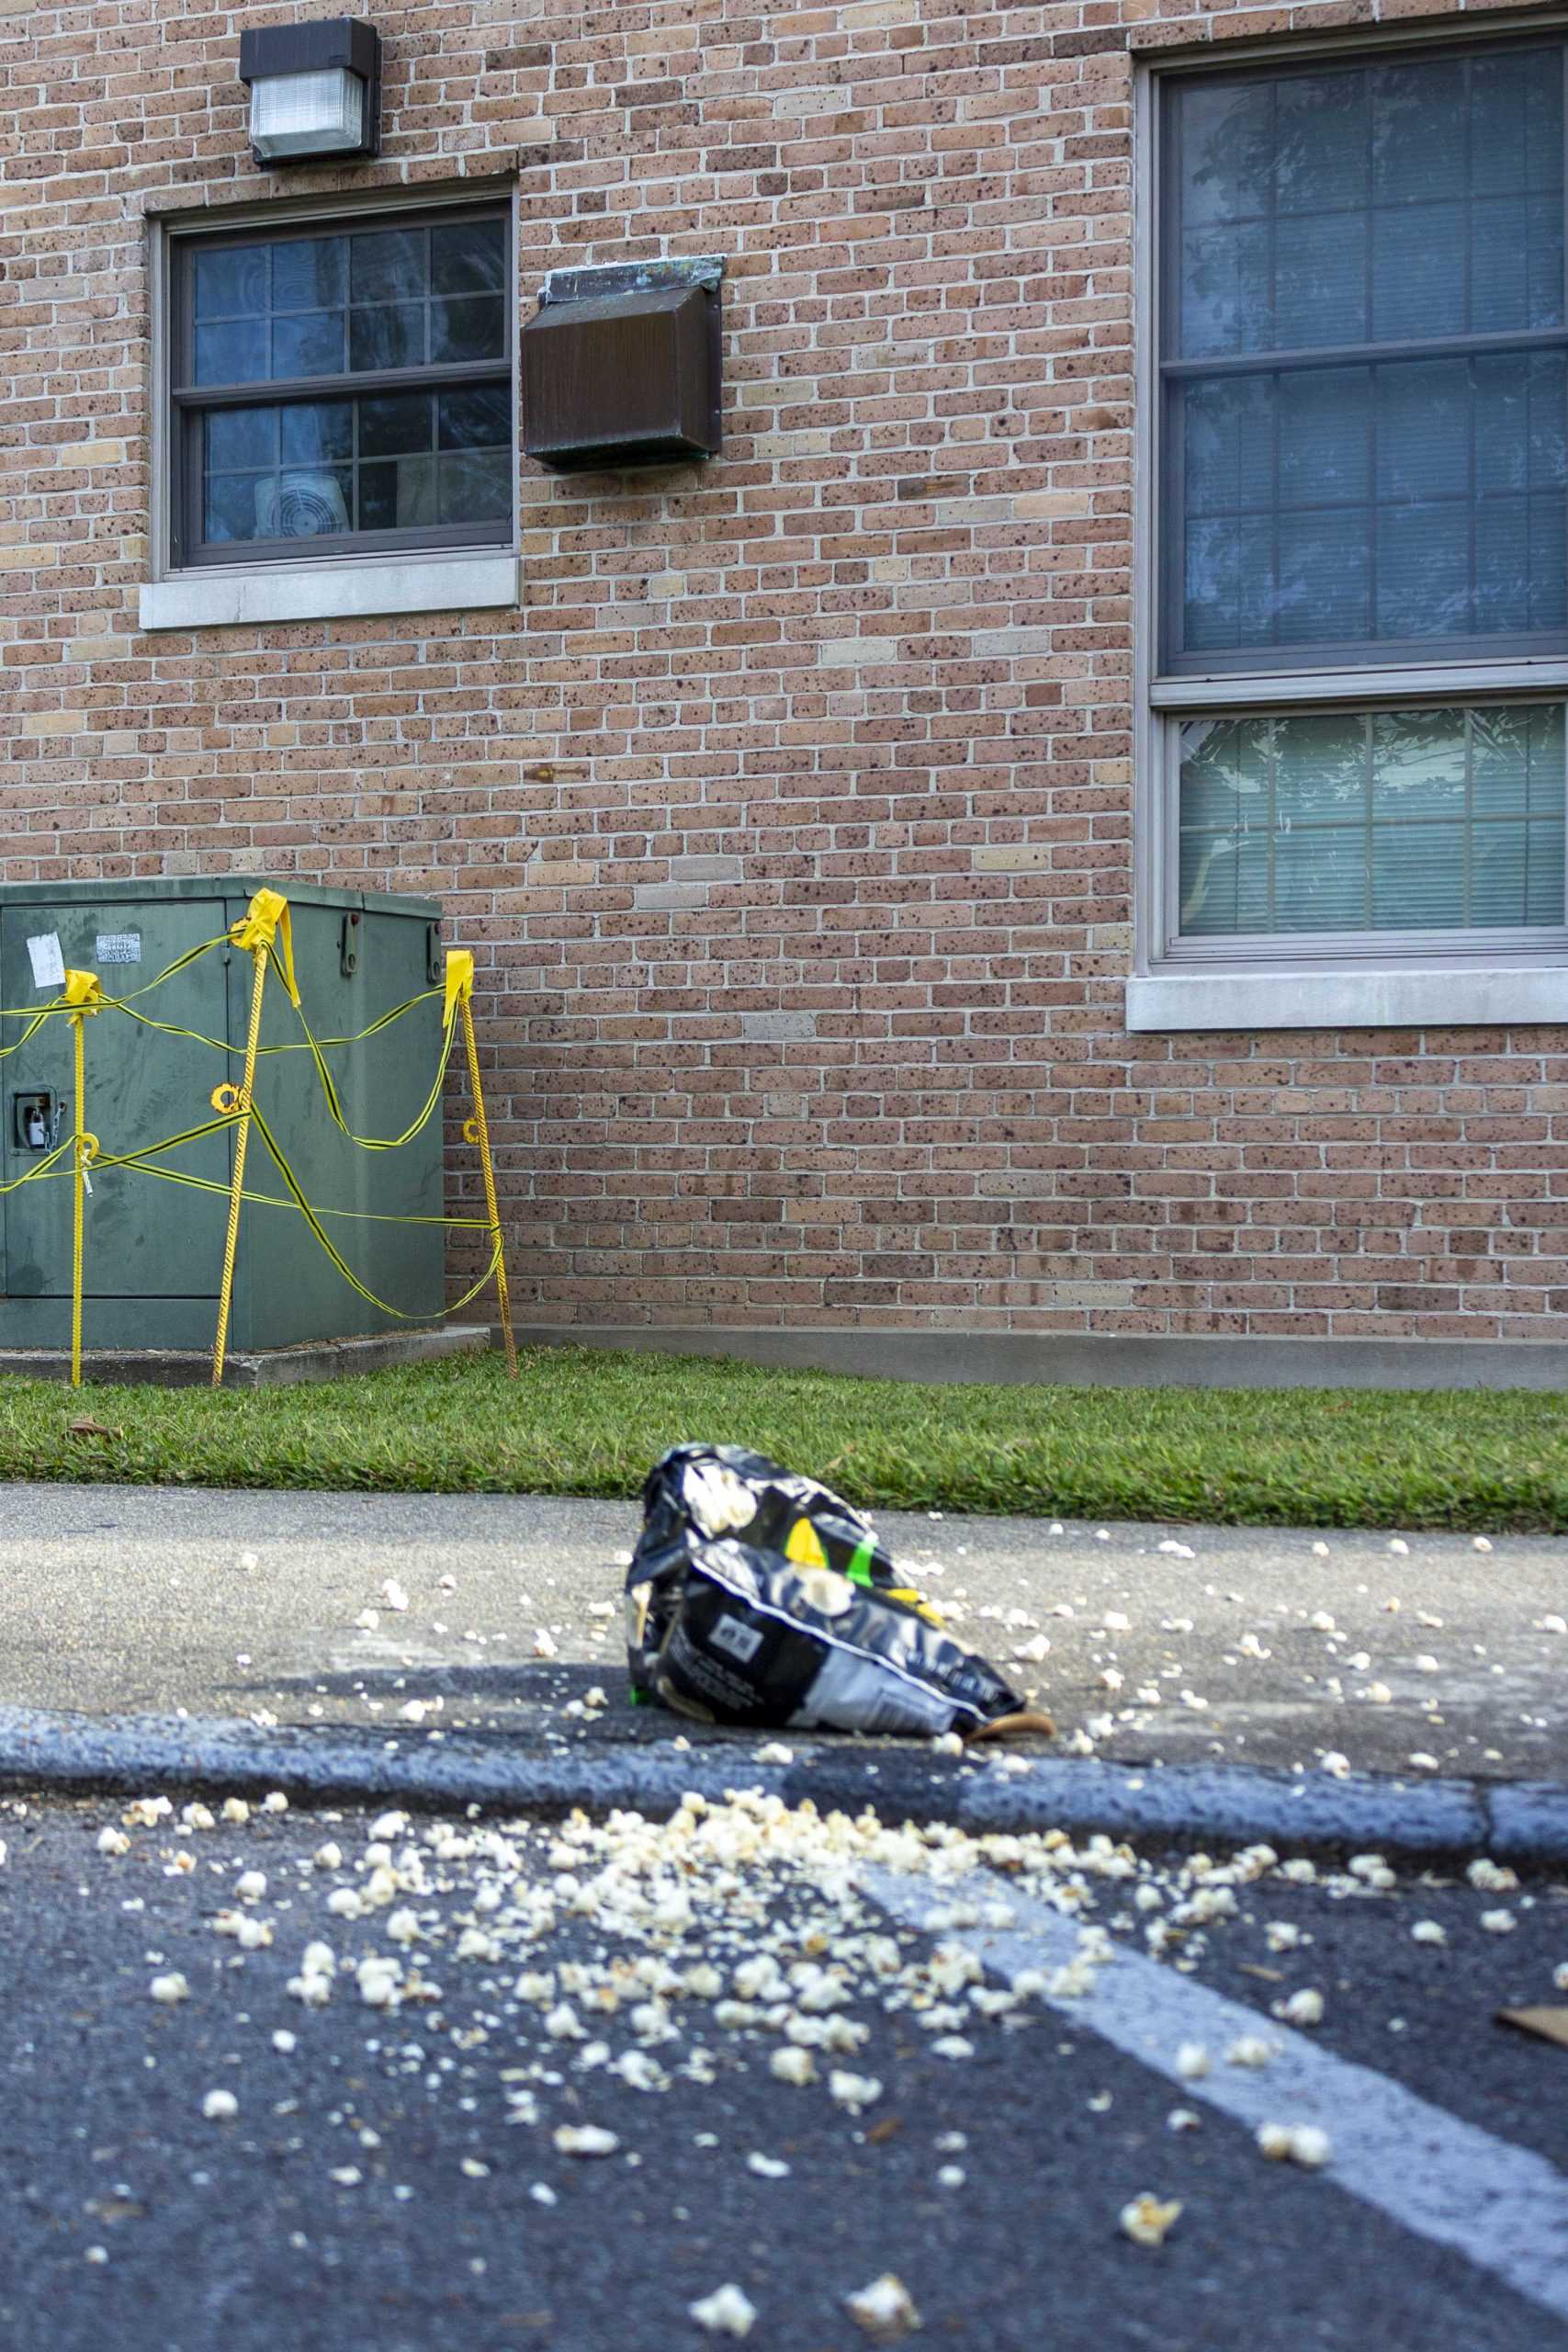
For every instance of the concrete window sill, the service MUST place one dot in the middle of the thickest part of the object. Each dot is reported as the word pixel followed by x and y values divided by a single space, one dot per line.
pixel 315 592
pixel 1390 999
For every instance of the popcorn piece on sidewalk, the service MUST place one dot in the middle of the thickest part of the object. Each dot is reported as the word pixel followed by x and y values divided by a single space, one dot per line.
pixel 584 2140
pixel 727 2312
pixel 886 2309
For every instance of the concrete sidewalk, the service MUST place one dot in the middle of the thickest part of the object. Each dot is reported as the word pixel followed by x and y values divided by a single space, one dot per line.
pixel 1275 1649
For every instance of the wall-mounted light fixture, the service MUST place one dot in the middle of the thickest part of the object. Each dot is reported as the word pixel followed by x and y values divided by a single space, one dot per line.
pixel 315 89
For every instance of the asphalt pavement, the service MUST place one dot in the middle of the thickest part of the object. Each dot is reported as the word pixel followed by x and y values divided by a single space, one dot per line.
pixel 1295 1650
pixel 995 2079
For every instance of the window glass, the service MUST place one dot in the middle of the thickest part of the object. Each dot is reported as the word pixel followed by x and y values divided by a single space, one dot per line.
pixel 1447 819
pixel 295 312
pixel 1373 469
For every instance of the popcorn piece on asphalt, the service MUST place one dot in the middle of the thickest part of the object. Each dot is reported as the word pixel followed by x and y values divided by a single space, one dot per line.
pixel 767 2167
pixel 170 1988
pixel 285 2042
pixel 1488 1877
pixel 367 1619
pixel 113 1841
pixel 1553 1624
pixel 146 1812
pixel 475 2168
pixel 236 1811
pixel 1429 1931
pixel 251 1886
pixel 1249 2050
pixel 775 1752
pixel 947 1742
pixel 584 2140
pixel 275 1802
pixel 727 2312
pixel 1333 1763
pixel 1177 1550
pixel 1498 1923
pixel 950 2176
pixel 1480 1543
pixel 1399 1547
pixel 1182 2118
pixel 328 1856
pixel 543 2194
pixel 853 2091
pixel 1560 1977
pixel 1304 2007
pixel 886 2309
pixel 219 2107
pixel 792 2065
pixel 1147 2221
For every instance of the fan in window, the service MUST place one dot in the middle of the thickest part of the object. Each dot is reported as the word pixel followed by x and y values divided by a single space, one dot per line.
pixel 301 506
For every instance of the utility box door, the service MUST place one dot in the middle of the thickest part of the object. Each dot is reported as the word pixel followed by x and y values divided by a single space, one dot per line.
pixel 145 1238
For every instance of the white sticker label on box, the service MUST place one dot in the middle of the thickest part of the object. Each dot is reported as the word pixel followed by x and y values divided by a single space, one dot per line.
pixel 118 947
pixel 48 963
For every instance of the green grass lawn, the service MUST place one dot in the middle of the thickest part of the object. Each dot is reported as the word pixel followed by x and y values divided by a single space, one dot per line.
pixel 581 1421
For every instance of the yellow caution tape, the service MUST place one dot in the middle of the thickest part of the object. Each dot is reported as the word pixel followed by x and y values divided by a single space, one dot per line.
pixel 83 993
pixel 266 919
pixel 459 977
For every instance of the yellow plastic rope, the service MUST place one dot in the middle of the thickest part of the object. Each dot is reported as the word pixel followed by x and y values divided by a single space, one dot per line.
pixel 84 996
pixel 231 1242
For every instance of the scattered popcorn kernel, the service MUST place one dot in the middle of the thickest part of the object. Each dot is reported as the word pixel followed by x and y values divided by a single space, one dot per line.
pixel 1429 1931
pixel 1147 2221
pixel 1304 2007
pixel 1249 2050
pixel 886 2309
pixel 584 2140
pixel 792 2065
pixel 236 1811
pixel 727 2312
pixel 1191 2062
pixel 113 1841
pixel 170 1988
pixel 219 2107
pixel 1498 1923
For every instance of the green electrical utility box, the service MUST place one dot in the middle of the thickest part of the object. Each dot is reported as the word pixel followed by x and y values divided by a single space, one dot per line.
pixel 154 1253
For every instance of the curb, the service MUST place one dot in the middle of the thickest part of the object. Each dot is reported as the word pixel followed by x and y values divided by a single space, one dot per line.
pixel 1517 1821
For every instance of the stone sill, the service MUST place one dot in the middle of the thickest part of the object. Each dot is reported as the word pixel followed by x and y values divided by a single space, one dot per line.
pixel 1390 999
pixel 221 598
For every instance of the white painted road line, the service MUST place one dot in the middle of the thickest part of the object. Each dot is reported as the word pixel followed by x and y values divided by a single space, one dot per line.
pixel 1504 2208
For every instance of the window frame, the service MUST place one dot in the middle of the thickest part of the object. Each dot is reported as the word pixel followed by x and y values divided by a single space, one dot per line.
pixel 183 404
pixel 1279 681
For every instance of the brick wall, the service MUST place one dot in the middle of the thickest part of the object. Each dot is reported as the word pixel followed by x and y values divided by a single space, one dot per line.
pixel 791 818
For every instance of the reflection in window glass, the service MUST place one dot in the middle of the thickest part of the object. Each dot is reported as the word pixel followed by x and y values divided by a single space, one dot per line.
pixel 1406 821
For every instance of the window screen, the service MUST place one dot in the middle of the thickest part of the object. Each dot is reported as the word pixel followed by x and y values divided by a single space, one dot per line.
pixel 344 387
pixel 1374 821
pixel 1365 363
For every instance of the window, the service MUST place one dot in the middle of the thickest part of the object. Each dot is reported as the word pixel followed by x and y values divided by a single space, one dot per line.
pixel 1363 508
pixel 342 389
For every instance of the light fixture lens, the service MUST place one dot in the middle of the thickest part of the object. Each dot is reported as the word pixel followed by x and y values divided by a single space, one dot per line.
pixel 308 114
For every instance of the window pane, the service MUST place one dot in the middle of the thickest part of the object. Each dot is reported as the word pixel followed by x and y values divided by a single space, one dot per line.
pixel 389 266
pixel 301 467
pixel 1346 507
pixel 478 418
pixel 388 427
pixel 240 437
pixel 1415 201
pixel 386 334
pixel 309 343
pixel 232 353
pixel 468 258
pixel 307 274
pixel 468 326
pixel 1406 820
pixel 317 431
pixel 229 281
pixel 399 495
pixel 476 488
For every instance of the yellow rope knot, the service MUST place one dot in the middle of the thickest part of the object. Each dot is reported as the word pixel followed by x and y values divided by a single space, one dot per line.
pixel 471 1131
pixel 82 991
pixel 229 1098
pixel 264 920
pixel 88 1149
